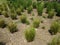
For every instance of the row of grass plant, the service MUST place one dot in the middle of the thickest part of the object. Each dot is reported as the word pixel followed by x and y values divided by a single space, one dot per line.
pixel 29 6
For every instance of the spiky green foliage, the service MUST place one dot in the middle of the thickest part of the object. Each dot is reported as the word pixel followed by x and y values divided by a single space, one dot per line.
pixel 55 41
pixel 22 8
pixel 2 23
pixel 12 27
pixel 27 22
pixel 36 22
pixel 4 6
pixel 1 9
pixel 30 9
pixel 18 11
pixel 0 12
pixel 40 7
pixel 13 16
pixel 45 5
pixel 50 6
pixel 51 13
pixel 5 13
pixel 29 2
pixel 57 7
pixel 4 10
pixel 55 4
pixel 23 18
pixel 17 3
pixel 34 4
pixel 55 27
pixel 30 34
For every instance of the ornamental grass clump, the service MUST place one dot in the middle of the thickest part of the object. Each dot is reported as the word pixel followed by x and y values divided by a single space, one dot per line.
pixel 55 27
pixel 40 7
pixel 30 8
pixel 36 22
pixel 58 9
pixel 13 16
pixel 23 18
pixel 29 3
pixel 4 6
pixel 12 27
pixel 0 12
pixel 22 8
pixel 34 4
pixel 55 41
pixel 5 13
pixel 1 9
pixel 50 6
pixel 18 11
pixel 45 5
pixel 30 34
pixel 51 13
pixel 2 23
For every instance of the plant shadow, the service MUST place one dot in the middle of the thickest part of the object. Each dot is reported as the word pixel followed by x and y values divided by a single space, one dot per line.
pixel 2 43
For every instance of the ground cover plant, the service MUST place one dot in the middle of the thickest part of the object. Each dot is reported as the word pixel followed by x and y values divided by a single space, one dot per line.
pixel 36 22
pixel 50 6
pixel 12 27
pixel 30 34
pixel 18 11
pixel 40 6
pixel 55 27
pixel 58 9
pixel 23 18
pixel 5 13
pixel 34 4
pixel 55 41
pixel 1 9
pixel 2 23
pixel 29 9
pixel 13 16
pixel 51 13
